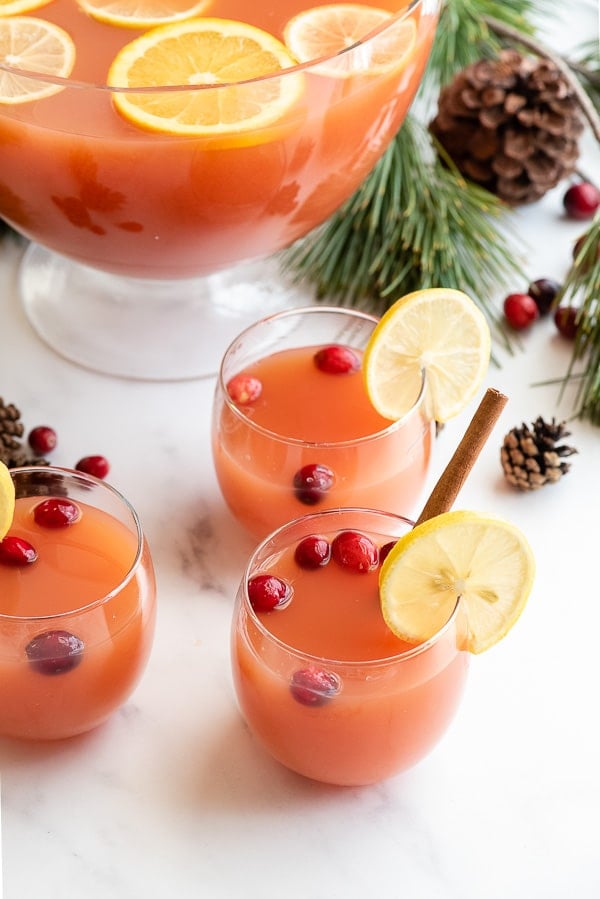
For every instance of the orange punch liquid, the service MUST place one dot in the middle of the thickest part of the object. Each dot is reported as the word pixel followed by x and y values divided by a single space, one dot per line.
pixel 76 625
pixel 308 422
pixel 323 684
pixel 83 181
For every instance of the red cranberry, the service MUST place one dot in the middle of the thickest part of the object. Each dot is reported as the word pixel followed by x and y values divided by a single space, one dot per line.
pixel 356 551
pixel 565 319
pixel 54 652
pixel 591 256
pixel 314 686
pixel 544 291
pixel 520 310
pixel 385 550
pixel 267 592
pixel 312 552
pixel 244 389
pixel 16 551
pixel 42 440
pixel 336 360
pixel 312 482
pixel 97 466
pixel 581 200
pixel 56 513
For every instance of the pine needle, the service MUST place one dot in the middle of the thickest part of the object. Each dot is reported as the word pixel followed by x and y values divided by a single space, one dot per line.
pixel 397 234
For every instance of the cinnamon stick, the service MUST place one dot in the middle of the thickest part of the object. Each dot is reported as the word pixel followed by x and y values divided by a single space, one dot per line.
pixel 458 468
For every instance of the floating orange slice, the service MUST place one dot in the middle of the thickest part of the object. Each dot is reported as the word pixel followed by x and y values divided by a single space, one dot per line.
pixel 18 7
pixel 339 30
pixel 33 45
pixel 206 53
pixel 142 13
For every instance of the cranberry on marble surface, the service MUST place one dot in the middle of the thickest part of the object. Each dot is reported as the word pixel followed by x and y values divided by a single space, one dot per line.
pixel 42 439
pixel 565 319
pixel 544 291
pixel 581 200
pixel 521 310
pixel 97 466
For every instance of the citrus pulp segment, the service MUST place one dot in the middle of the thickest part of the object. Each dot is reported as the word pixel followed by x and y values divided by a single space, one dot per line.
pixel 142 13
pixel 438 331
pixel 483 561
pixel 18 7
pixel 326 31
pixel 7 500
pixel 205 53
pixel 37 46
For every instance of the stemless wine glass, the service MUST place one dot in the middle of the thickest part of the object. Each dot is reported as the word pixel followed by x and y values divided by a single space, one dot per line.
pixel 77 605
pixel 322 683
pixel 308 434
pixel 143 261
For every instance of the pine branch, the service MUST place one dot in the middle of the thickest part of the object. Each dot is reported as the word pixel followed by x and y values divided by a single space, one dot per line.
pixel 399 233
pixel 581 289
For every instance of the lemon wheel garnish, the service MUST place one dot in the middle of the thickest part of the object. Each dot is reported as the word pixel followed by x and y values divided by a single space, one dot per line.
pixel 438 331
pixel 18 7
pixel 325 31
pixel 36 46
pixel 142 13
pixel 206 53
pixel 7 500
pixel 483 560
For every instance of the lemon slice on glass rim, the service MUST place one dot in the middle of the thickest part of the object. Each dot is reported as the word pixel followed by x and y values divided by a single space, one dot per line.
pixel 480 560
pixel 7 500
pixel 439 331
pixel 332 29
pixel 205 52
pixel 37 47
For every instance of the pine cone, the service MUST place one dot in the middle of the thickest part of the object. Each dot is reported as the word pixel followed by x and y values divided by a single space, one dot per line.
pixel 530 456
pixel 510 124
pixel 12 451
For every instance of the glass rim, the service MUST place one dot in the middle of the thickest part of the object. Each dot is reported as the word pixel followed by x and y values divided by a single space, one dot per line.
pixel 348 664
pixel 299 441
pixel 138 531
pixel 297 69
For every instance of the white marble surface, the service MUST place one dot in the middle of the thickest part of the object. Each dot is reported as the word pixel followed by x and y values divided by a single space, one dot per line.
pixel 173 798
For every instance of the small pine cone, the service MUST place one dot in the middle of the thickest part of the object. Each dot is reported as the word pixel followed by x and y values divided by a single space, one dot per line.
pixel 531 456
pixel 11 428
pixel 12 451
pixel 510 124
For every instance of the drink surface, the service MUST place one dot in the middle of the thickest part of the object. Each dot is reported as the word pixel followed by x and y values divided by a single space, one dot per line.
pixel 82 180
pixel 75 567
pixel 312 417
pixel 325 688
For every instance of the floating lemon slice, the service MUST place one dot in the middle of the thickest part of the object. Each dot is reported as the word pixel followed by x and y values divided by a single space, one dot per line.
pixel 325 31
pixel 142 13
pixel 7 500
pixel 436 330
pixel 35 46
pixel 206 52
pixel 17 7
pixel 484 561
